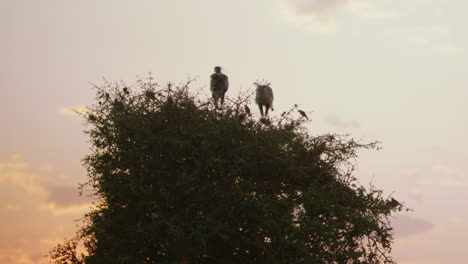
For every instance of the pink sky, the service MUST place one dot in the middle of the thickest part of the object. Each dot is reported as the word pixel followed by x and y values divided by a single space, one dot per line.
pixel 387 70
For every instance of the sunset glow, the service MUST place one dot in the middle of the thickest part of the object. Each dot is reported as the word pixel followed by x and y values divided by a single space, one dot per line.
pixel 388 70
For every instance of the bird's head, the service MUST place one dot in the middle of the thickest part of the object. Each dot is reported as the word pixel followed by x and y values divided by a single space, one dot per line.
pixel 262 83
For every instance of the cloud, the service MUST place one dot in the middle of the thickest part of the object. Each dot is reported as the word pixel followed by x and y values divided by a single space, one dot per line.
pixel 15 172
pixel 311 15
pixel 65 196
pixel 411 173
pixel 76 110
pixel 46 168
pixel 455 180
pixel 315 7
pixel 336 122
pixel 55 210
pixel 407 226
pixel 25 252
pixel 437 175
pixel 321 15
pixel 13 207
pixel 367 10
pixel 416 194
pixel 437 39
pixel 456 220
pixel 16 256
pixel 444 170
pixel 34 210
pixel 14 162
pixel 446 176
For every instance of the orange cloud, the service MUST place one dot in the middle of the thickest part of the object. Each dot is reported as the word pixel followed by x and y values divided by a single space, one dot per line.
pixel 14 171
pixel 35 213
pixel 55 210
pixel 14 162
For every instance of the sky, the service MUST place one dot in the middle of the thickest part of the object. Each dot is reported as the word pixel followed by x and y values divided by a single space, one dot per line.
pixel 395 71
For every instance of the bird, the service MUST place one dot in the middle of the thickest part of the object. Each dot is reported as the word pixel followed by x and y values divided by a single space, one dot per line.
pixel 394 203
pixel 247 110
pixel 219 85
pixel 303 114
pixel 150 95
pixel 264 97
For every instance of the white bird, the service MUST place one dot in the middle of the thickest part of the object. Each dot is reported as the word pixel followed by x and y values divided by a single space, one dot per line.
pixel 219 85
pixel 264 97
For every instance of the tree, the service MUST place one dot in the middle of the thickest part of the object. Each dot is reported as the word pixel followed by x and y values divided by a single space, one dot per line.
pixel 180 182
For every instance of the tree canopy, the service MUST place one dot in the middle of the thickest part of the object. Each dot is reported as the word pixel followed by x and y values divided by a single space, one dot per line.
pixel 177 181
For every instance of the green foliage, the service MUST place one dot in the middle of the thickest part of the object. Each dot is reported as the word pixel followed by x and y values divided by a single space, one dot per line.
pixel 180 182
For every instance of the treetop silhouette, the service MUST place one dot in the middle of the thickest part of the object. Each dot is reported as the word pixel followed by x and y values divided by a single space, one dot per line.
pixel 180 182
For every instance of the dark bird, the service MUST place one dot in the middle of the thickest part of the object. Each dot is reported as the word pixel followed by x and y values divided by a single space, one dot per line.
pixel 264 97
pixel 394 203
pixel 219 85
pixel 150 95
pixel 92 117
pixel 247 110
pixel 303 114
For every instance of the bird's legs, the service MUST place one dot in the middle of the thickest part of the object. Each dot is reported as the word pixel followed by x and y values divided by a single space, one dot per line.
pixel 222 100
pixel 215 100
pixel 267 108
pixel 261 109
